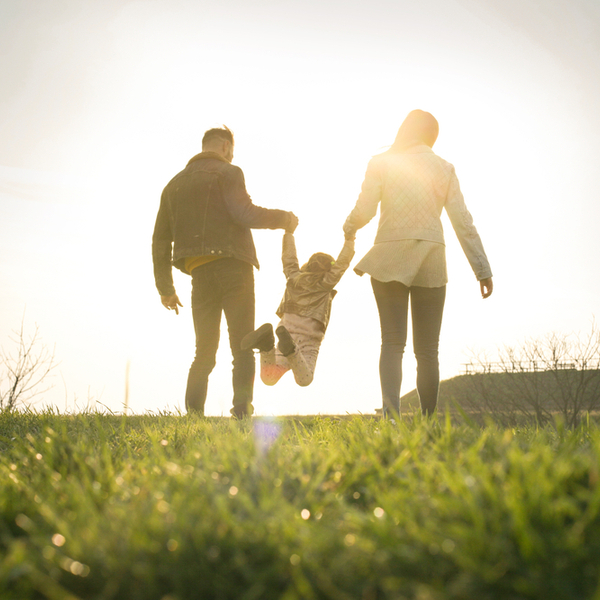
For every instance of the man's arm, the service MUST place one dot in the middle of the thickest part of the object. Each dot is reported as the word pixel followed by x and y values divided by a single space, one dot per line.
pixel 162 250
pixel 245 213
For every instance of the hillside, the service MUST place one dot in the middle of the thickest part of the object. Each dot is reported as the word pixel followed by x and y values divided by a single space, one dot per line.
pixel 568 392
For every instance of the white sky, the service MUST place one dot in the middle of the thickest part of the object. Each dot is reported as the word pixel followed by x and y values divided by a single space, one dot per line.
pixel 102 102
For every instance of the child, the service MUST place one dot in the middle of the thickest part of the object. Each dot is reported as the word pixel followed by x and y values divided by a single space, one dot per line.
pixel 304 313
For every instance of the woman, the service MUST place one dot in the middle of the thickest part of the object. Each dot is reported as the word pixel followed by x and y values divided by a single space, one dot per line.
pixel 408 258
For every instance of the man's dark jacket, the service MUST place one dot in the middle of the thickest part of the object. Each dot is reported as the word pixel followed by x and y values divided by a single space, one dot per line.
pixel 205 210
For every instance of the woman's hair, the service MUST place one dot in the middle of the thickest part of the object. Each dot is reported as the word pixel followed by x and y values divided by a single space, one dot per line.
pixel 319 262
pixel 419 127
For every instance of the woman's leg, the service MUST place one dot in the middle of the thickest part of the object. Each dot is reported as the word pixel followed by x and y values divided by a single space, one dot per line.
pixel 392 304
pixel 427 307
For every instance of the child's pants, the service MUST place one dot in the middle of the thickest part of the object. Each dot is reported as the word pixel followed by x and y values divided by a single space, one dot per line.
pixel 307 334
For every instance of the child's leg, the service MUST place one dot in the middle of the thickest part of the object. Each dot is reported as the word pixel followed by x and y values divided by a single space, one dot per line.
pixel 302 368
pixel 273 366
pixel 307 334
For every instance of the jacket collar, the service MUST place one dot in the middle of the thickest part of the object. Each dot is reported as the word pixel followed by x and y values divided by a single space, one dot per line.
pixel 212 155
pixel 418 149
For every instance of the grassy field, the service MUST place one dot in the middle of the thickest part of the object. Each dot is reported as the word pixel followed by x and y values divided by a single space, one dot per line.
pixel 166 507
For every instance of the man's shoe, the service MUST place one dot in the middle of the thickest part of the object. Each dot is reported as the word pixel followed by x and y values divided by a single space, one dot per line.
pixel 262 339
pixel 242 411
pixel 286 344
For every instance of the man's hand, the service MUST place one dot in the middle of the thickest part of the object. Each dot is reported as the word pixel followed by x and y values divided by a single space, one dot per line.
pixel 171 302
pixel 487 287
pixel 293 223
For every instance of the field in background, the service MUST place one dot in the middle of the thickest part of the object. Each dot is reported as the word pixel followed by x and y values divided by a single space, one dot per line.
pixel 164 507
pixel 518 398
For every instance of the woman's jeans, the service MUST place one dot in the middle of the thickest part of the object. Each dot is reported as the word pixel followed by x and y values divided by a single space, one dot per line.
pixel 225 286
pixel 427 306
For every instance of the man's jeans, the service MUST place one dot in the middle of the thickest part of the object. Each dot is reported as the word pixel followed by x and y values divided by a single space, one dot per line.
pixel 427 306
pixel 224 285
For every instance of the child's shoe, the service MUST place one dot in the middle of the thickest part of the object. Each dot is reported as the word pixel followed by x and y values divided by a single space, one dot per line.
pixel 261 339
pixel 286 344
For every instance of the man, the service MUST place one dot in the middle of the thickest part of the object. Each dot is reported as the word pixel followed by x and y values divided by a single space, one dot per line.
pixel 203 229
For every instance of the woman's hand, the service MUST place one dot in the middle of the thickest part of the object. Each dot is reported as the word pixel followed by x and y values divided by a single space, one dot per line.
pixel 487 287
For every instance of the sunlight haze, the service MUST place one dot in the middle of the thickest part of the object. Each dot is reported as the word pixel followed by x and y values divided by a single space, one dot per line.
pixel 103 102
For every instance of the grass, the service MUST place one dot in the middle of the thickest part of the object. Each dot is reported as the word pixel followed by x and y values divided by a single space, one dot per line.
pixel 168 508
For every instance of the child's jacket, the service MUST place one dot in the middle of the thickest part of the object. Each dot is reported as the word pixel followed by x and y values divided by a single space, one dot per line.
pixel 310 294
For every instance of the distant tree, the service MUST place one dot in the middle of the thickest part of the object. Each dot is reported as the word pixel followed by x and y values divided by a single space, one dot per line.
pixel 24 370
pixel 558 374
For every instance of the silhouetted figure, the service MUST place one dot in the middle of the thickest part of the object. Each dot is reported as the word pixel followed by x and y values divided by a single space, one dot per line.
pixel 203 229
pixel 408 260
pixel 304 311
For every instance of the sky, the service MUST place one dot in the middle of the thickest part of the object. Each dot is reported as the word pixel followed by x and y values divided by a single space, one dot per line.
pixel 103 101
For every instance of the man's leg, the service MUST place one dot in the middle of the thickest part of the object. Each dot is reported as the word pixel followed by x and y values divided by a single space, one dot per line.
pixel 206 312
pixel 392 304
pixel 427 307
pixel 237 281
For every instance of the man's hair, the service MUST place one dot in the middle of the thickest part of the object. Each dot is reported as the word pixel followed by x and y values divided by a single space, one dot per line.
pixel 223 133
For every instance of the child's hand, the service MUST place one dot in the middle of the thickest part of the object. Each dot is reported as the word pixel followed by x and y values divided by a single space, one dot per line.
pixel 349 233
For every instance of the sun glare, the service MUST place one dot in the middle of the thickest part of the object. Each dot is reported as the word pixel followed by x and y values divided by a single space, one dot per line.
pixel 309 103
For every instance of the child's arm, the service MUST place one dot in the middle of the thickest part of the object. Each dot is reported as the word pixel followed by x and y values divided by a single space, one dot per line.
pixel 333 276
pixel 289 257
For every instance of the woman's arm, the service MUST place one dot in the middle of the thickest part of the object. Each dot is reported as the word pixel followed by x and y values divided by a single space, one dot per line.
pixel 366 205
pixel 342 263
pixel 465 230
